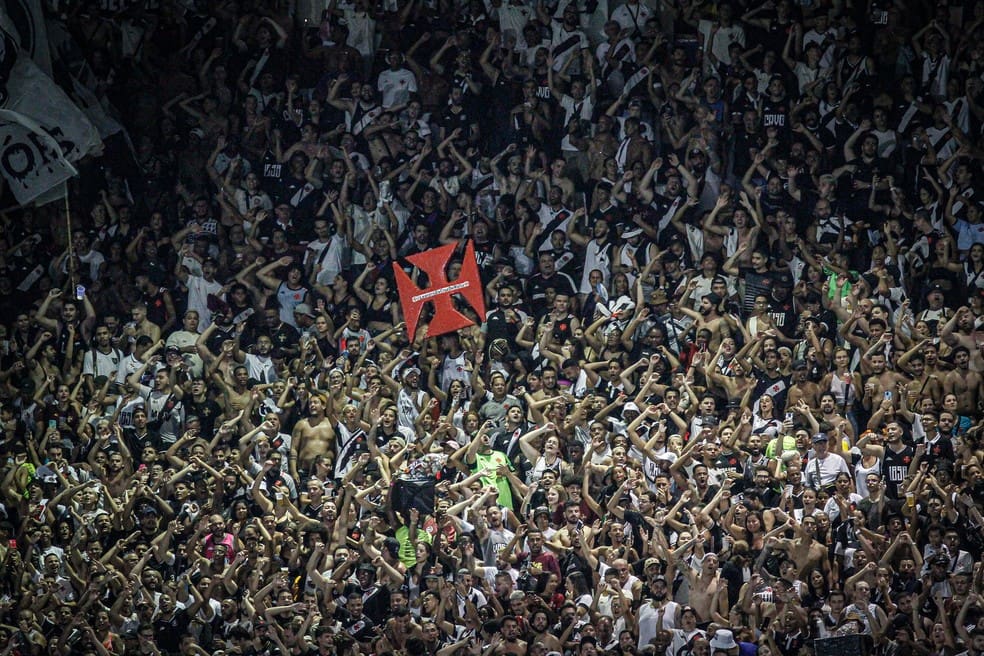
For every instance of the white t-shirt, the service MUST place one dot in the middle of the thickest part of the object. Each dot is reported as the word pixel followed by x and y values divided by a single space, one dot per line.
pixel 96 363
pixel 632 17
pixel 396 86
pixel 723 38
pixel 198 291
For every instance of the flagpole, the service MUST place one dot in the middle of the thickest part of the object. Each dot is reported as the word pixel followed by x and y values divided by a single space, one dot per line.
pixel 68 226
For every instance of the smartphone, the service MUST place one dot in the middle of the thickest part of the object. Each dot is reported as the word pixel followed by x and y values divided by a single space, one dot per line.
pixel 12 543
pixel 888 395
pixel 789 416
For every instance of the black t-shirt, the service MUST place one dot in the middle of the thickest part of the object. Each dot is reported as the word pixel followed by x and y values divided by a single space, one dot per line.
pixel 775 113
pixel 168 632
pixel 895 468
pixel 360 629
pixel 208 411
pixel 777 388
pixel 561 283
pixel 783 314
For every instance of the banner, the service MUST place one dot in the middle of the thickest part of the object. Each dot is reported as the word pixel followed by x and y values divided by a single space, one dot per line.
pixel 24 21
pixel 434 263
pixel 31 159
pixel 42 132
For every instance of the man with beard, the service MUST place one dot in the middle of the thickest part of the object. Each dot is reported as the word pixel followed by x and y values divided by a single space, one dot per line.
pixel 882 380
pixel 493 534
pixel 357 625
pixel 966 385
pixel 922 383
pixel 535 553
pixel 540 632
pixel 503 322
pixel 507 641
pixel 548 388
pixel 598 252
pixel 764 486
pixel 830 416
pixel 960 331
pixel 708 316
pixel 350 440
pixel 312 436
pixel 756 457
pixel 657 604
pixel 360 110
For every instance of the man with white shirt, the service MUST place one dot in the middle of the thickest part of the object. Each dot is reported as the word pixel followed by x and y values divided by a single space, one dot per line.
pixel 822 469
pixel 824 36
pixel 567 40
pixel 258 362
pixel 199 287
pixel 613 54
pixel 632 16
pixel 323 257
pixel 397 82
pixel 513 16
pixel 717 36
pixel 102 359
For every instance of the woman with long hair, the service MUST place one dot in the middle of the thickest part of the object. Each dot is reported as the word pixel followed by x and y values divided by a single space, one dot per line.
pixel 844 384
pixel 381 312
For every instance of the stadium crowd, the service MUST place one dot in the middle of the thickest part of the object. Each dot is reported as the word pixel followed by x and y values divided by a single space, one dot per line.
pixel 725 398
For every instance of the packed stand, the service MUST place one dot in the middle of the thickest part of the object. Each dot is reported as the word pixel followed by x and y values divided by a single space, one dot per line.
pixel 725 398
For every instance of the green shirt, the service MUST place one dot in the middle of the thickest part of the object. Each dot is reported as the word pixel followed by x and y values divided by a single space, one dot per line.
pixel 494 460
pixel 408 549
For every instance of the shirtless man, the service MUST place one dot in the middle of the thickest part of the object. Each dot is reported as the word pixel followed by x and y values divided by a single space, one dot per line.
pixel 881 379
pixel 708 316
pixel 312 437
pixel 829 414
pixel 804 549
pixel 553 176
pixel 510 181
pixel 967 385
pixel 801 389
pixel 704 586
pixel 601 147
pixel 959 331
pixel 923 384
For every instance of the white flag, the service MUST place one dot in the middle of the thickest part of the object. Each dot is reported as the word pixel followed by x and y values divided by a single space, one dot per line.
pixel 42 132
pixel 31 160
